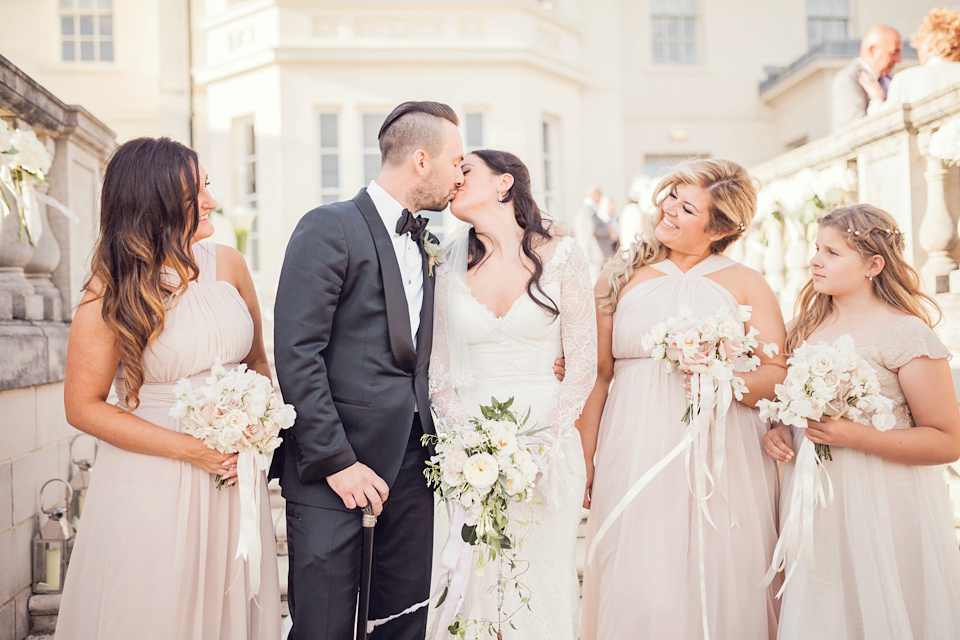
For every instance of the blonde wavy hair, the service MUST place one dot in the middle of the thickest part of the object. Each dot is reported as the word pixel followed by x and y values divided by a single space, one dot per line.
pixel 148 216
pixel 940 31
pixel 733 203
pixel 872 232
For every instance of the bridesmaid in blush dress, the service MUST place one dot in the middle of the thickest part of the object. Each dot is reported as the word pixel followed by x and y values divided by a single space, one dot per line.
pixel 155 556
pixel 645 578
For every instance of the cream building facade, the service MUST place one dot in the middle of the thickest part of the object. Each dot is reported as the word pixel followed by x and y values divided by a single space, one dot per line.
pixel 283 98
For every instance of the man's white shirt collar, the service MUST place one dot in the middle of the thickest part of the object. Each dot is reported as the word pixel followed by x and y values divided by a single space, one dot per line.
pixel 389 209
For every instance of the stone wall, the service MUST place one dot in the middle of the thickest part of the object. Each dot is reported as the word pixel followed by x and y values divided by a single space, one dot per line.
pixel 38 289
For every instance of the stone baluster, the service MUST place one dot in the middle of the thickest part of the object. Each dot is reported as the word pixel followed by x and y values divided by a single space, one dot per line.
pixel 18 300
pixel 45 260
pixel 773 265
pixel 938 233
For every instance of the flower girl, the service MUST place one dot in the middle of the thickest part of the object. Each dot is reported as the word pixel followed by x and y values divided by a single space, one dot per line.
pixel 885 562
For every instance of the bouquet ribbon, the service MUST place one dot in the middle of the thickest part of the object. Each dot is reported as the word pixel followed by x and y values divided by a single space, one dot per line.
pixel 248 484
pixel 707 430
pixel 811 486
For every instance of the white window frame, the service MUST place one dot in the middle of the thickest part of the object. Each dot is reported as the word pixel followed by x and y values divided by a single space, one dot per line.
pixel 100 13
pixel 684 17
pixel 819 15
pixel 245 168
pixel 550 148
pixel 330 193
pixel 371 148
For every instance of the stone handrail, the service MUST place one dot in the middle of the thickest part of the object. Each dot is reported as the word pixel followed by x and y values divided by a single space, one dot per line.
pixel 889 153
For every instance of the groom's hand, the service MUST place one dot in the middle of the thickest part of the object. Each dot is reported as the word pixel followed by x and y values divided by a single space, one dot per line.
pixel 358 485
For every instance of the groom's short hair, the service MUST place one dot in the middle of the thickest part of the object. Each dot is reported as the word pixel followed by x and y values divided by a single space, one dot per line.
pixel 412 126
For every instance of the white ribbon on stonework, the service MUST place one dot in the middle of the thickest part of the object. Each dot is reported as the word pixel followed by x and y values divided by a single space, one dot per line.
pixel 26 198
pixel 249 465
pixel 707 431
pixel 811 488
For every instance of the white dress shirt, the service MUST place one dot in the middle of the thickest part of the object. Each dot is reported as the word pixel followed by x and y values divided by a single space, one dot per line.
pixel 408 253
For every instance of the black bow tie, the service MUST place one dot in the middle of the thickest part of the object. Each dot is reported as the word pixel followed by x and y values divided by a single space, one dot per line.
pixel 414 225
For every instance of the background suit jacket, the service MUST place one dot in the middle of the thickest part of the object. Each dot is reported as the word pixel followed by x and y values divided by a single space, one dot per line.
pixel 848 100
pixel 344 353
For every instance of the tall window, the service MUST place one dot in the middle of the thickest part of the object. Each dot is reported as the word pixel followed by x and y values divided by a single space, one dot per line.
pixel 329 158
pixel 551 167
pixel 86 30
pixel 371 146
pixel 674 36
pixel 827 21
pixel 475 133
pixel 245 145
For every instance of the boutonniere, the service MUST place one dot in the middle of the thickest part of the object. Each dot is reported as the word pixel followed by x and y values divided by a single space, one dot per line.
pixel 434 253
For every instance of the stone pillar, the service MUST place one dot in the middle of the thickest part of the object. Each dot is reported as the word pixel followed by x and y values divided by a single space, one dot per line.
pixel 45 259
pixel 18 300
pixel 938 233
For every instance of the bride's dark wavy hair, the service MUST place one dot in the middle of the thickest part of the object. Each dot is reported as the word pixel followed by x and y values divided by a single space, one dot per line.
pixel 528 216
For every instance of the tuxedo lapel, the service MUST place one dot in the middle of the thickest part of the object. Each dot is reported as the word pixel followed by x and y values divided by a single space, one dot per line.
pixel 398 315
pixel 425 333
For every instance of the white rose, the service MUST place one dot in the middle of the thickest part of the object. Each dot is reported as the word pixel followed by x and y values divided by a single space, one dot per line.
pixel 237 418
pixel 504 441
pixel 456 461
pixel 450 476
pixel 481 470
pixel 472 439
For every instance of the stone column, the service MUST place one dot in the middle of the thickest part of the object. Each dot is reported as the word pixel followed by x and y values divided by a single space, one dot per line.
pixel 938 233
pixel 45 259
pixel 18 300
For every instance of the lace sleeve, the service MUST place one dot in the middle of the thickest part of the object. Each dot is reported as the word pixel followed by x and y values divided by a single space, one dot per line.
pixel 443 396
pixel 578 331
pixel 909 338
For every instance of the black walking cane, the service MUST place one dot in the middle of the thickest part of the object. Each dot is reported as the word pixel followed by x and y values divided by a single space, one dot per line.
pixel 366 564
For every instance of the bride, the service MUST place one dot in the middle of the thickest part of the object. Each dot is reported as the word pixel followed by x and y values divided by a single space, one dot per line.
pixel 511 298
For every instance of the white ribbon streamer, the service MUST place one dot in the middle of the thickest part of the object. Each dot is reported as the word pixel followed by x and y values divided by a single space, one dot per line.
pixel 248 484
pixel 712 399
pixel 811 487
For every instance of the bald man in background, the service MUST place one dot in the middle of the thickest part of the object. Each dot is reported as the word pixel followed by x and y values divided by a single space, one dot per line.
pixel 879 54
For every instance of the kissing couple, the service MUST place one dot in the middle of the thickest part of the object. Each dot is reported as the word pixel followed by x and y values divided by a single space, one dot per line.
pixel 363 312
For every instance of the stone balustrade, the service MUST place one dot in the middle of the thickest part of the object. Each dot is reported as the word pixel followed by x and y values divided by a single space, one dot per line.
pixel 39 288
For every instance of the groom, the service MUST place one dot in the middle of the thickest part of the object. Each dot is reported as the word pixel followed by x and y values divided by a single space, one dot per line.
pixel 353 330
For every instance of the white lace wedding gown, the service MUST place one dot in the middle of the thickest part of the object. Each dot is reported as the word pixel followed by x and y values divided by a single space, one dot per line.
pixel 513 356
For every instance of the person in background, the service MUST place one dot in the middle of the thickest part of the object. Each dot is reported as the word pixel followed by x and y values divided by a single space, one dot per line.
pixel 938 48
pixel 879 54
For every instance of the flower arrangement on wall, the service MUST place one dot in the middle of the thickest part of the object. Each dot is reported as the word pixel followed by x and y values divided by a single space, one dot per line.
pixel 24 163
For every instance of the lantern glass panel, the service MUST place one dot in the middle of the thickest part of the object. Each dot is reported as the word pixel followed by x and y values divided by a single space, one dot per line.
pixel 49 565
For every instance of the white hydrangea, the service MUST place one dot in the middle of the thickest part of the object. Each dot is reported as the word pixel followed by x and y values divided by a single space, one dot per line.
pixel 945 142
pixel 31 156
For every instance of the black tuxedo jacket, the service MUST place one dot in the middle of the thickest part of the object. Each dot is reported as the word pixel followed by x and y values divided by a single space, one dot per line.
pixel 344 354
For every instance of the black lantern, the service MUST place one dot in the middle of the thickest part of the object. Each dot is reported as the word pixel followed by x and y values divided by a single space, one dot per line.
pixel 80 479
pixel 52 544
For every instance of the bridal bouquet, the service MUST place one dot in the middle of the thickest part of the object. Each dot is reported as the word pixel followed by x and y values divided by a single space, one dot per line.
pixel 481 467
pixel 828 380
pixel 239 412
pixel 715 346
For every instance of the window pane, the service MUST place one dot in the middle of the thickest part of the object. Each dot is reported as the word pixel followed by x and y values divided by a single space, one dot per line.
pixel 86 25
pixel 66 4
pixel 68 51
pixel 371 127
pixel 546 137
pixel 691 52
pixel 673 52
pixel 328 131
pixel 105 5
pixel 66 25
pixel 106 25
pixel 86 51
pixel 658 28
pixel 658 53
pixel 673 27
pixel 329 171
pixel 250 179
pixel 330 198
pixel 106 50
pixel 86 4
pixel 474 129
pixel 371 167
pixel 251 140
pixel 690 28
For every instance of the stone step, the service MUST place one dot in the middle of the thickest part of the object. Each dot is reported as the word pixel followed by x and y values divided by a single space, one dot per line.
pixel 44 604
pixel 40 636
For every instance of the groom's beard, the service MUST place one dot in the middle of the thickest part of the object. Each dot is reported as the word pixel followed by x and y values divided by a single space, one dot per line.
pixel 431 195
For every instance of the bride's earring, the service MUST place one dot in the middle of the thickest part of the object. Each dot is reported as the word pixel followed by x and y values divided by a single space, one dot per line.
pixel 500 200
